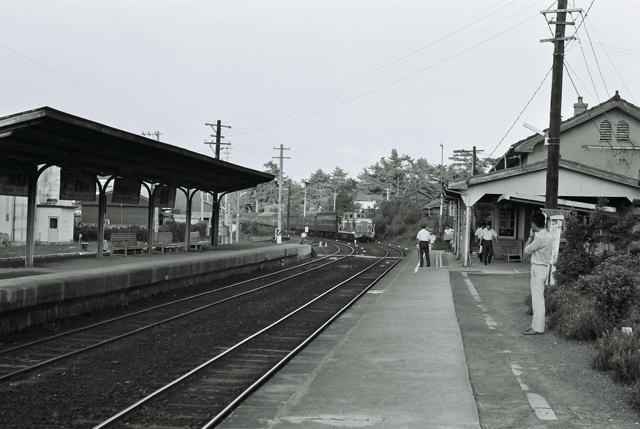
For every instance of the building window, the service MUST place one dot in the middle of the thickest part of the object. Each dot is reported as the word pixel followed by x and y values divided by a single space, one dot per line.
pixel 506 220
pixel 622 131
pixel 605 130
pixel 53 223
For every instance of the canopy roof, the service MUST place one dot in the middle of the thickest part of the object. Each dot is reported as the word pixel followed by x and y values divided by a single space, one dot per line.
pixel 49 136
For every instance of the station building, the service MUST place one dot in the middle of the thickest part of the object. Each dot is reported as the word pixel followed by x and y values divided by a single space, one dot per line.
pixel 600 158
pixel 54 218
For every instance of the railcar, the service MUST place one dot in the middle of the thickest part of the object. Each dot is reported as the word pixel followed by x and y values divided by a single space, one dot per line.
pixel 346 225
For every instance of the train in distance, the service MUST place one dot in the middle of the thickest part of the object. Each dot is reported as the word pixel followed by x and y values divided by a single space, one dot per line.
pixel 345 225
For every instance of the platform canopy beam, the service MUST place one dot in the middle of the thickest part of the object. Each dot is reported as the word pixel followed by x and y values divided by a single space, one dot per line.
pixel 47 136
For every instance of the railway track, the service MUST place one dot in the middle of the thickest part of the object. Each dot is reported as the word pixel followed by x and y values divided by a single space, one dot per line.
pixel 204 395
pixel 25 358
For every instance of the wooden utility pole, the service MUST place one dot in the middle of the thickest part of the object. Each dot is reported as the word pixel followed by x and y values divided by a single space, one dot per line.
pixel 474 168
pixel 555 113
pixel 281 157
pixel 215 212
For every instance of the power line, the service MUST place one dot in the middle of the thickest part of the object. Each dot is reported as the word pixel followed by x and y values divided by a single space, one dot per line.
pixel 595 33
pixel 394 82
pixel 380 66
pixel 521 113
pixel 595 57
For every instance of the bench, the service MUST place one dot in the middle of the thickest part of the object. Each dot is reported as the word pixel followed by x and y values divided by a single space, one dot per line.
pixel 195 241
pixel 163 240
pixel 125 242
pixel 512 249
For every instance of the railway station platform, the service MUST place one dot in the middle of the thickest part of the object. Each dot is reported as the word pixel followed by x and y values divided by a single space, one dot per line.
pixel 62 288
pixel 394 360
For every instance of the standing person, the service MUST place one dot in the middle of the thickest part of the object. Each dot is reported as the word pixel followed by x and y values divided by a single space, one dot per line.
pixel 539 246
pixel 424 239
pixel 478 235
pixel 488 236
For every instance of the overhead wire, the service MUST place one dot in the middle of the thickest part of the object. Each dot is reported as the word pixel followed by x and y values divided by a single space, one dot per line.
pixel 375 68
pixel 615 68
pixel 521 112
pixel 394 82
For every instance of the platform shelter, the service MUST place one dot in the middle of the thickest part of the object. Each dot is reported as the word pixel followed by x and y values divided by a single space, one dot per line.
pixel 35 140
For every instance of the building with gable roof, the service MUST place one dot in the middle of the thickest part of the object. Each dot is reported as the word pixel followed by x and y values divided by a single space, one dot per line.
pixel 600 158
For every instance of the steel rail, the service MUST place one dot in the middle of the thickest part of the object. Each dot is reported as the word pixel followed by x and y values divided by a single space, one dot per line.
pixel 204 365
pixel 156 307
pixel 222 414
pixel 167 320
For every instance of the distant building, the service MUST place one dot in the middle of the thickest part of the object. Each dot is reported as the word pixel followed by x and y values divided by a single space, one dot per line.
pixel 368 201
pixel 600 158
pixel 54 218
pixel 117 214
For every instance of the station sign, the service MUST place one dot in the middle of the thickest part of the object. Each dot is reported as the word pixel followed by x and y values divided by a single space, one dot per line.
pixel 164 196
pixel 14 180
pixel 126 191
pixel 76 185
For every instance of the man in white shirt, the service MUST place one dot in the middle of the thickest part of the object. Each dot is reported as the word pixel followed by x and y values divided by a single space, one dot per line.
pixel 488 236
pixel 539 246
pixel 424 238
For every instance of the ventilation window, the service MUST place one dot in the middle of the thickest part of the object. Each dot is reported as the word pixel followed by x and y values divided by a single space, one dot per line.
pixel 622 131
pixel 605 130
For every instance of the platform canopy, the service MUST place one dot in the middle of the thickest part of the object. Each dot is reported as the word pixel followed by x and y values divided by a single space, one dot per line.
pixel 49 136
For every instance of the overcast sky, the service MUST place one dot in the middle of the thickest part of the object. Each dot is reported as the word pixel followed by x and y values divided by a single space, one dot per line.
pixel 340 82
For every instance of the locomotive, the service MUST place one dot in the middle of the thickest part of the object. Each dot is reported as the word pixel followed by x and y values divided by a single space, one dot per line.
pixel 346 225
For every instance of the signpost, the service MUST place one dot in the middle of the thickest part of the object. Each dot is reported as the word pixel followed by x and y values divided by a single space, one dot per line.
pixel 77 185
pixel 555 224
pixel 165 196
pixel 126 191
pixel 14 180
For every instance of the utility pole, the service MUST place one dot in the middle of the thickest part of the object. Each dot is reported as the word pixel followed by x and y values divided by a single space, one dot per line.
pixel 555 112
pixel 441 188
pixel 474 168
pixel 281 157
pixel 288 203
pixel 155 134
pixel 215 220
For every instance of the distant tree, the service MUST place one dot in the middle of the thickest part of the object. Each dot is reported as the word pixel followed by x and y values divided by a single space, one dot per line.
pixel 461 164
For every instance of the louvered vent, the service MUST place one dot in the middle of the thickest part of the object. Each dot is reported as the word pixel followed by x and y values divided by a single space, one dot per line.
pixel 622 131
pixel 605 130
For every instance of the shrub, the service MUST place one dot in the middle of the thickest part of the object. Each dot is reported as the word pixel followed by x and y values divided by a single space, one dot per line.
pixel 634 399
pixel 574 315
pixel 619 353
pixel 613 288
pixel 90 232
pixel 573 263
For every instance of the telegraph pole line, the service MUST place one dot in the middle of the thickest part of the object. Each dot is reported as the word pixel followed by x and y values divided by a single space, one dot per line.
pixel 555 112
pixel 215 218
pixel 281 157
pixel 217 129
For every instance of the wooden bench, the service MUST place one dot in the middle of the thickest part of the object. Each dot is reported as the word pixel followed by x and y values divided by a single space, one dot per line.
pixel 512 249
pixel 163 240
pixel 125 242
pixel 195 242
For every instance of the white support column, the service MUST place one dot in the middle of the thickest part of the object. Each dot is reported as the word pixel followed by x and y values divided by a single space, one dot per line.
pixel 467 236
pixel 187 225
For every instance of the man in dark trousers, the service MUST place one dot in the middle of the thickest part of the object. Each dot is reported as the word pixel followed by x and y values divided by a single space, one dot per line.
pixel 424 238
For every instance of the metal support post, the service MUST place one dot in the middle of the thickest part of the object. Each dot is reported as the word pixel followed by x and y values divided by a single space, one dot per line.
pixel 31 218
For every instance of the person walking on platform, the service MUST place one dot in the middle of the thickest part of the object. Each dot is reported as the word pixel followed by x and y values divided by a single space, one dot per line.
pixel 488 236
pixel 424 239
pixel 539 246
pixel 478 236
